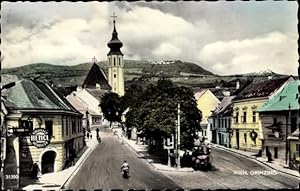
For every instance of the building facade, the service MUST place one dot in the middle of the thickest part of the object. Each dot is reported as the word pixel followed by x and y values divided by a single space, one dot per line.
pixel 206 103
pixel 32 104
pixel 247 131
pixel 294 150
pixel 220 122
pixel 279 117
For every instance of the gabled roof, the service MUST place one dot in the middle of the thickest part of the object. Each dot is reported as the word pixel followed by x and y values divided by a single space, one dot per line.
pixel 223 106
pixel 97 93
pixel 27 94
pixel 261 88
pixel 287 96
pixel 96 76
pixel 199 93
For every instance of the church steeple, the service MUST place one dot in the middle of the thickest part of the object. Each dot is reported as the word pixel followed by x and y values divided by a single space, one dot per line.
pixel 114 44
pixel 115 63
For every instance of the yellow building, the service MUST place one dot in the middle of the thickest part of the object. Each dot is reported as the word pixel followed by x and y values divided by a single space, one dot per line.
pixel 206 103
pixel 246 125
pixel 294 152
pixel 34 105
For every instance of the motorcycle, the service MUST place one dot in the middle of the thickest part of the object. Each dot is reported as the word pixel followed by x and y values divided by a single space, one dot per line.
pixel 125 172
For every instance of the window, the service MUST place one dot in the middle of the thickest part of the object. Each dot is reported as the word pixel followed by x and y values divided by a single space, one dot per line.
pixel 245 117
pixel 214 122
pixel 298 148
pixel 27 125
pixel 119 61
pixel 115 75
pixel 275 120
pixel 237 117
pixel 49 128
pixel 293 124
pixel 245 137
pixel 73 126
pixel 276 152
pixel 67 126
pixel 114 61
pixel 254 116
pixel 229 125
pixel 62 126
pixel 219 122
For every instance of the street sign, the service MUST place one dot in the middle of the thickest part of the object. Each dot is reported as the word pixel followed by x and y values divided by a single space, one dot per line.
pixel 19 131
pixel 40 138
pixel 169 142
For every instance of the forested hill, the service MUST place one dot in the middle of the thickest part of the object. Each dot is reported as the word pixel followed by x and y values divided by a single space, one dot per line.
pixel 75 75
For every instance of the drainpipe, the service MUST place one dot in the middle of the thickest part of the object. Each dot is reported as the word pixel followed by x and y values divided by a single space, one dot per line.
pixel 286 134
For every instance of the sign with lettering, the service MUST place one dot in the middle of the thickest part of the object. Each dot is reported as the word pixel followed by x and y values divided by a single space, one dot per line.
pixel 40 138
pixel 169 142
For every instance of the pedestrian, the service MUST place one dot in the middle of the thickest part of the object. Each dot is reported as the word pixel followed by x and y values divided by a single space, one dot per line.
pixel 35 170
pixel 269 155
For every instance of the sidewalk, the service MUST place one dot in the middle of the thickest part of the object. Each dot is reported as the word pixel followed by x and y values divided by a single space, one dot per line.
pixel 142 152
pixel 56 180
pixel 273 165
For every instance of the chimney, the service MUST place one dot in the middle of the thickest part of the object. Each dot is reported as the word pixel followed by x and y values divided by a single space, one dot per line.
pixel 98 86
pixel 79 88
pixel 237 84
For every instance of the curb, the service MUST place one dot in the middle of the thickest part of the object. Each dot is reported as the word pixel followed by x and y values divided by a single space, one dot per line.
pixel 150 163
pixel 88 152
pixel 253 158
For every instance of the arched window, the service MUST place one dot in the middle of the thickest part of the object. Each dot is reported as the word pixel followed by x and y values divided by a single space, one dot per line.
pixel 114 61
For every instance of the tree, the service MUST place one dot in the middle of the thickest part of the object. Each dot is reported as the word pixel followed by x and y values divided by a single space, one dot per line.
pixel 156 113
pixel 131 97
pixel 111 107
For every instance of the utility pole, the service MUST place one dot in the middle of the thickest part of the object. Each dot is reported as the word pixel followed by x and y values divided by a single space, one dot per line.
pixel 178 136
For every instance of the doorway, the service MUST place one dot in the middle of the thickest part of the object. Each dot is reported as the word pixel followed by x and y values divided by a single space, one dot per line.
pixel 237 133
pixel 48 160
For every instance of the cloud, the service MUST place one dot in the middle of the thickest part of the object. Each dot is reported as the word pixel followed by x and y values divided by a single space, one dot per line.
pixel 275 51
pixel 71 33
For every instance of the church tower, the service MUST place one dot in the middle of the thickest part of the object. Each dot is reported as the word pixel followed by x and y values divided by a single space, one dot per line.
pixel 115 63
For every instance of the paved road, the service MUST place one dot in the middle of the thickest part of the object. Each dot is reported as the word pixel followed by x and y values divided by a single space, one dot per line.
pixel 222 175
pixel 101 170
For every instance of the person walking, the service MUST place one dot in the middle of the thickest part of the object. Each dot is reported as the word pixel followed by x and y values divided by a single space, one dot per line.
pixel 35 171
pixel 269 155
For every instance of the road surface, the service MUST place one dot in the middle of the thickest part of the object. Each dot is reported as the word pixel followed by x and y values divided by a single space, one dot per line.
pixel 235 172
pixel 101 170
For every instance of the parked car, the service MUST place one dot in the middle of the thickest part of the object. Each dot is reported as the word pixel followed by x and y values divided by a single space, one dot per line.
pixel 201 157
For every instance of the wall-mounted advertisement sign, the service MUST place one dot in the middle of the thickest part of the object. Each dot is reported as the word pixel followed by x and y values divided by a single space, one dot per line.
pixel 40 138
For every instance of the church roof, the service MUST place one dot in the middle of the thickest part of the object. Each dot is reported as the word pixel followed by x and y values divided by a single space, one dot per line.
pixel 96 76
pixel 115 44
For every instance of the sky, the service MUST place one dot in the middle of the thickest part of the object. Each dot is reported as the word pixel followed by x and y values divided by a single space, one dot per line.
pixel 222 37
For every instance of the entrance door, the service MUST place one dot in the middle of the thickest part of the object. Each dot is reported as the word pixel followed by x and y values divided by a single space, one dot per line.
pixel 48 160
pixel 237 138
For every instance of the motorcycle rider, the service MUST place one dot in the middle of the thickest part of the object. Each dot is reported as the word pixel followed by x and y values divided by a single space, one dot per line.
pixel 124 166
